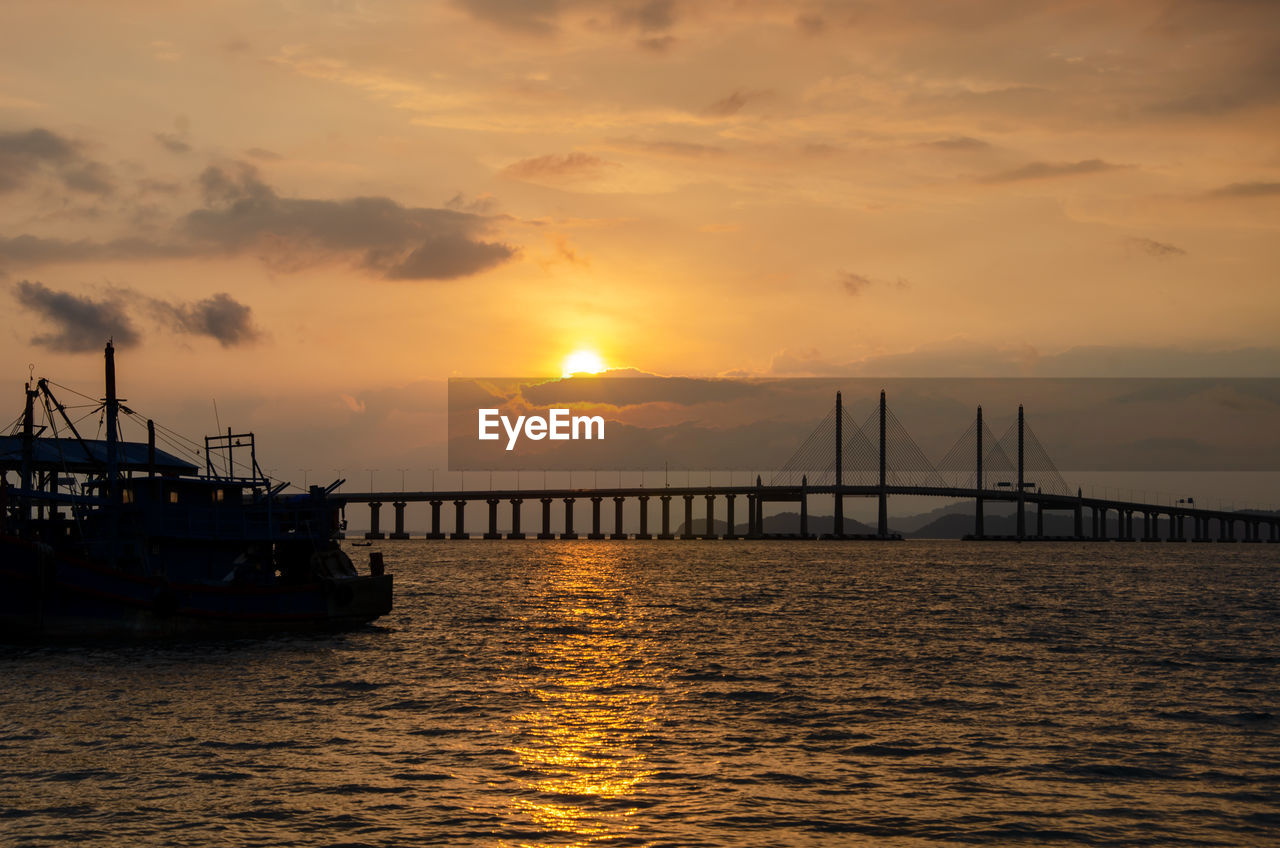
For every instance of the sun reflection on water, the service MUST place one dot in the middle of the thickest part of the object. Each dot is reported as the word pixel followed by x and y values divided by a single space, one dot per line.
pixel 580 752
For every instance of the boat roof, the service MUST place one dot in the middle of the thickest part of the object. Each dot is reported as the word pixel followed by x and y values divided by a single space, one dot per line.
pixel 70 455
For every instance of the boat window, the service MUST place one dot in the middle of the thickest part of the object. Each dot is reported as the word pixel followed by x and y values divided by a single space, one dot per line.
pixel 219 495
pixel 173 496
pixel 127 496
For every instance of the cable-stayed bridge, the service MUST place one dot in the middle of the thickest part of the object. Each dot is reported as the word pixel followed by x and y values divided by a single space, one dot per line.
pixel 843 458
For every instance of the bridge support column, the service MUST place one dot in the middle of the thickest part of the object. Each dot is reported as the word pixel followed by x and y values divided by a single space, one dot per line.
pixel 595 518
pixel 1202 529
pixel 568 520
pixel 374 533
pixel 666 518
pixel 546 519
pixel 753 531
pixel 618 532
pixel 688 518
pixel 1079 521
pixel 493 519
pixel 1175 528
pixel 459 524
pixel 1251 531
pixel 515 519
pixel 1275 532
pixel 804 508
pixel 436 532
pixel 399 532
pixel 1226 530
pixel 1097 532
pixel 1039 520
pixel 730 533
pixel 644 518
pixel 1150 521
pixel 711 518
pixel 979 532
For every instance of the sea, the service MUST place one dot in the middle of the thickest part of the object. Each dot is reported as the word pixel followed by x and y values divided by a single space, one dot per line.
pixel 687 693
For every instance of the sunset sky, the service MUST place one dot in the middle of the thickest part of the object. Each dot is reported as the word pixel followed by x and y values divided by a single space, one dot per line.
pixel 316 213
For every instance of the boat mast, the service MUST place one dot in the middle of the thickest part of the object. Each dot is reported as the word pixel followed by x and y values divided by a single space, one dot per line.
pixel 28 448
pixel 112 404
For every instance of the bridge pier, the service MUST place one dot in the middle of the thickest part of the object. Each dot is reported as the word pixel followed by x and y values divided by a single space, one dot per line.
pixel 730 533
pixel 515 519
pixel 1078 516
pixel 493 519
pixel 459 523
pixel 804 507
pixel 1150 526
pixel 568 520
pixel 752 531
pixel 399 531
pixel 666 518
pixel 1039 520
pixel 374 533
pixel 1175 527
pixel 546 519
pixel 1226 530
pixel 618 532
pixel 644 518
pixel 711 518
pixel 1251 531
pixel 595 518
pixel 688 518
pixel 435 533
pixel 1201 529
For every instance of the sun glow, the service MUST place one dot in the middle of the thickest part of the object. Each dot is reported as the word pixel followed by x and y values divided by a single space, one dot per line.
pixel 583 362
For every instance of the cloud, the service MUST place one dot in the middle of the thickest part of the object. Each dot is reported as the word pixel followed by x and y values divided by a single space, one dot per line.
pixel 960 143
pixel 733 104
pixel 555 165
pixel 81 323
pixel 657 43
pixel 34 250
pixel 648 16
pixel 534 17
pixel 243 213
pixel 1048 170
pixel 1254 189
pixel 676 149
pixel 811 24
pixel 1156 248
pixel 27 153
pixel 854 284
pixel 172 143
pixel 220 317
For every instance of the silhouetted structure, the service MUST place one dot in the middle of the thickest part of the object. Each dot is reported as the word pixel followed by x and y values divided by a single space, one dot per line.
pixel 894 465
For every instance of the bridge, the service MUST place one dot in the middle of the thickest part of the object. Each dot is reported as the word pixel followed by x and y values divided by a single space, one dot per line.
pixel 844 459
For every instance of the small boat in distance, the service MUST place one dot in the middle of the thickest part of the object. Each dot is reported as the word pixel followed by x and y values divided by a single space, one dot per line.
pixel 103 537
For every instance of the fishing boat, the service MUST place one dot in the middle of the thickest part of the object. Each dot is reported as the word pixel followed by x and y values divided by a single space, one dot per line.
pixel 108 537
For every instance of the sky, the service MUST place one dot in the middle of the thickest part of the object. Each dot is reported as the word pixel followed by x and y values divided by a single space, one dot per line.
pixel 315 213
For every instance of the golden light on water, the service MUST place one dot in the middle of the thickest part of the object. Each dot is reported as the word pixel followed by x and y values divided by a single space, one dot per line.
pixel 580 748
pixel 583 361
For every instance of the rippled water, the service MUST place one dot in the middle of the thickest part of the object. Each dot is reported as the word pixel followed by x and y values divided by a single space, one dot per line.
pixel 684 694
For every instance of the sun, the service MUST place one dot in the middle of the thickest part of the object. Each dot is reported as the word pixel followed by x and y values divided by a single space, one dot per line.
pixel 583 362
